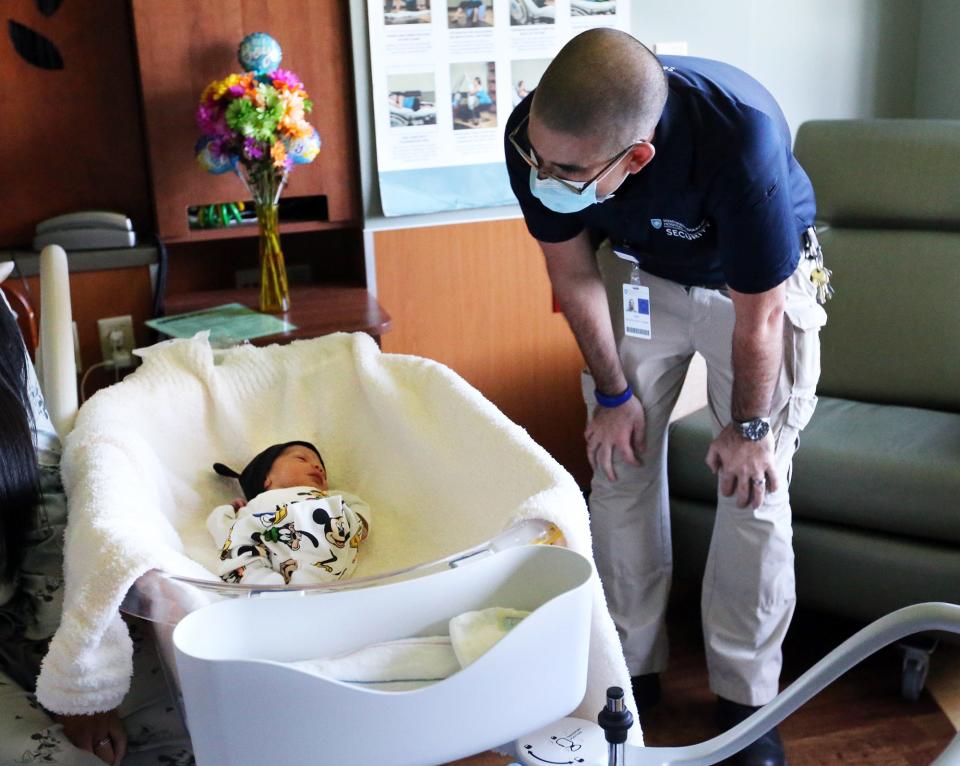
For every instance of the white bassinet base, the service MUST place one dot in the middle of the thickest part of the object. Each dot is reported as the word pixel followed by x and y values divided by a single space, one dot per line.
pixel 240 696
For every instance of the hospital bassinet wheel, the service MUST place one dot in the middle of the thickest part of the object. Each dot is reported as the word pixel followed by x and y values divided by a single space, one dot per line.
pixel 916 664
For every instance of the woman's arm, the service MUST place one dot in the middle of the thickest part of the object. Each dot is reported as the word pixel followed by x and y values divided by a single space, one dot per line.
pixel 101 734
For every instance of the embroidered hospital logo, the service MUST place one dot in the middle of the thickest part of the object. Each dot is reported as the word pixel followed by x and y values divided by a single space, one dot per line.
pixel 680 230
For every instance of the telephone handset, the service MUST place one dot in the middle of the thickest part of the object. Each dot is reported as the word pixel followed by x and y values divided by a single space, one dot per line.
pixel 86 230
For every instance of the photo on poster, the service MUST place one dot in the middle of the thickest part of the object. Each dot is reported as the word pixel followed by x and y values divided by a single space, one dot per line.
pixel 463 14
pixel 532 12
pixel 412 99
pixel 473 95
pixel 593 7
pixel 406 11
pixel 525 75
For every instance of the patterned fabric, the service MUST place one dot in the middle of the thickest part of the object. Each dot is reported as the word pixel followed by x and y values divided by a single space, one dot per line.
pixel 30 608
pixel 155 731
pixel 298 535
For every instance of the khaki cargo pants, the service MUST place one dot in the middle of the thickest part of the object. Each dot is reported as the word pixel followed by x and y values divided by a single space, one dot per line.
pixel 748 589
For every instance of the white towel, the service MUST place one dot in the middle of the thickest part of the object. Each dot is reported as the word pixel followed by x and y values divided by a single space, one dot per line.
pixel 402 665
pixel 473 633
pixel 412 663
pixel 440 466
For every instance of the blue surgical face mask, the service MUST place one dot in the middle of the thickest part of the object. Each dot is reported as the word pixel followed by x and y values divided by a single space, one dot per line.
pixel 558 198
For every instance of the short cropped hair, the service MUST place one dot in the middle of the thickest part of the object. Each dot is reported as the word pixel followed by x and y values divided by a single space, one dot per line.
pixel 604 84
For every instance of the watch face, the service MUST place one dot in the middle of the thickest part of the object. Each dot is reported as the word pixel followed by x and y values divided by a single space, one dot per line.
pixel 754 430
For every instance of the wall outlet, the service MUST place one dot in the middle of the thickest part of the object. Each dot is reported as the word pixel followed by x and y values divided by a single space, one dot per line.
pixel 115 342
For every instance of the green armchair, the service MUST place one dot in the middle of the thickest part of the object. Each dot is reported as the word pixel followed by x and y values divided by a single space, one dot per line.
pixel 875 490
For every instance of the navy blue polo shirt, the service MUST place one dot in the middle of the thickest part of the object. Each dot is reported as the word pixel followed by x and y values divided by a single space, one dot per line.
pixel 723 201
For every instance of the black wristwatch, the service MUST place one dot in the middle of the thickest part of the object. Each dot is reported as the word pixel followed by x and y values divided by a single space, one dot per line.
pixel 753 430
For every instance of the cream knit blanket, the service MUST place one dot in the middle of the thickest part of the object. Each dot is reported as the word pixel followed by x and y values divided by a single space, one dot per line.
pixel 441 467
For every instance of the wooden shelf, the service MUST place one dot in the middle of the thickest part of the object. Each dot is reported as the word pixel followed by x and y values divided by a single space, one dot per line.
pixel 244 230
pixel 315 309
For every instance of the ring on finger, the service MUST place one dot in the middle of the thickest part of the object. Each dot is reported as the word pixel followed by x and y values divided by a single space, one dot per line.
pixel 758 482
pixel 102 743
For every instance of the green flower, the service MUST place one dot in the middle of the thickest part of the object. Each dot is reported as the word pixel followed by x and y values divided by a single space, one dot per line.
pixel 259 123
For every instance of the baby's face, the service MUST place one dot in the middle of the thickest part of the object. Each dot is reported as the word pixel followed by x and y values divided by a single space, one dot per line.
pixel 296 466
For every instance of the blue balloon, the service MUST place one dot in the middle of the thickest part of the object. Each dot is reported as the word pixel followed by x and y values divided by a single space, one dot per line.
pixel 212 163
pixel 303 150
pixel 260 53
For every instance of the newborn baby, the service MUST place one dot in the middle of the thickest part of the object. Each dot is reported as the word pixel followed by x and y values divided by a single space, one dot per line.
pixel 291 528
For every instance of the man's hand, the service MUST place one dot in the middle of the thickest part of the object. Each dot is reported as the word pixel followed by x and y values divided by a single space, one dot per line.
pixel 744 467
pixel 620 428
pixel 101 734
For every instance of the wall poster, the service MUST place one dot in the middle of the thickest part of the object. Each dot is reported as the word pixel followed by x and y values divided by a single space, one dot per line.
pixel 446 75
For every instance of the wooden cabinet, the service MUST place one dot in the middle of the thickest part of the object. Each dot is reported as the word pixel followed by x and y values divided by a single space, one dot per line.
pixel 476 297
pixel 183 45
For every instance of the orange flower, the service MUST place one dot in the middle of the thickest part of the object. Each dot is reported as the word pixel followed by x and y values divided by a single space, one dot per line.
pixel 278 152
pixel 299 129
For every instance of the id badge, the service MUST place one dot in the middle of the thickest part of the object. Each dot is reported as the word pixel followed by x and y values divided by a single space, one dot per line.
pixel 636 311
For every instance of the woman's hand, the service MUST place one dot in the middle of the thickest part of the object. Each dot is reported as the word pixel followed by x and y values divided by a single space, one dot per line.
pixel 238 503
pixel 101 734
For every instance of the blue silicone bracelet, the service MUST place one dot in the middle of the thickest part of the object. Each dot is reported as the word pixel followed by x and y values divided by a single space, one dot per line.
pixel 612 401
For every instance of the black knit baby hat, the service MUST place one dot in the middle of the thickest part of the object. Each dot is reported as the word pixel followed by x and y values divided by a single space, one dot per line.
pixel 254 475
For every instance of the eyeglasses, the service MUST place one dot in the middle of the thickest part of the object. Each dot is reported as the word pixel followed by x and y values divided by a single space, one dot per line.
pixel 533 161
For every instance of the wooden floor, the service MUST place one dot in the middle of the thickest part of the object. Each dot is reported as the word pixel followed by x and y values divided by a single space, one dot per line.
pixel 859 720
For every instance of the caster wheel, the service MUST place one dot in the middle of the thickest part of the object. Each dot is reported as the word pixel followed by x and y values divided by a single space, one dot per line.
pixel 914 676
pixel 916 664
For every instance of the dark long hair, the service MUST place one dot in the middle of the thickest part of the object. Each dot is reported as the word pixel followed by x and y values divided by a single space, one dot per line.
pixel 19 478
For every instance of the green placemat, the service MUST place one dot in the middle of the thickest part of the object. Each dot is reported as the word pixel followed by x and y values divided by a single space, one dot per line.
pixel 231 322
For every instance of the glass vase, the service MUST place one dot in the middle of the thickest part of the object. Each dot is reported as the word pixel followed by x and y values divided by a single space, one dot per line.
pixel 274 292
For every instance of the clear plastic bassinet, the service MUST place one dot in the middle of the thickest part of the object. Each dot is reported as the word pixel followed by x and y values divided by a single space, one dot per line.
pixel 163 599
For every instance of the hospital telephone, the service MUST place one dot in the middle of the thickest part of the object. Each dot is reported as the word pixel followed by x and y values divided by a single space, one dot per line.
pixel 86 230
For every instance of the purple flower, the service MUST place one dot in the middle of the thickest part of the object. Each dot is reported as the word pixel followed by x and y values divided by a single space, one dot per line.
pixel 252 149
pixel 284 77
pixel 211 119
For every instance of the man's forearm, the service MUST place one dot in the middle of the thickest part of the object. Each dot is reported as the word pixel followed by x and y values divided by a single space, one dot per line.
pixel 757 352
pixel 583 300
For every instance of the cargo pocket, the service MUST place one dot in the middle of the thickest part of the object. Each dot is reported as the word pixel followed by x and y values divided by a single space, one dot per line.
pixel 802 347
pixel 800 410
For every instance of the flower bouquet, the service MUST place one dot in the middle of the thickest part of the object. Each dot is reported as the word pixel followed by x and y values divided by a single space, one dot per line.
pixel 254 124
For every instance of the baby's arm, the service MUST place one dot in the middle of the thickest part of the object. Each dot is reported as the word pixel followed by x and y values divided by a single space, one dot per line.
pixel 357 506
pixel 249 567
pixel 220 522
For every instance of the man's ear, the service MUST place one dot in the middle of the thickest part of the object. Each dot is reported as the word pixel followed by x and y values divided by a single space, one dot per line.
pixel 267 483
pixel 640 156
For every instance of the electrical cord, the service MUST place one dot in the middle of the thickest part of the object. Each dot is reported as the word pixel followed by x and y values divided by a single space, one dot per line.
pixel 122 359
pixel 91 368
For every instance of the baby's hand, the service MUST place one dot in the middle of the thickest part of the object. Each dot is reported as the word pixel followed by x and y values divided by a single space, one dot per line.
pixel 238 504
